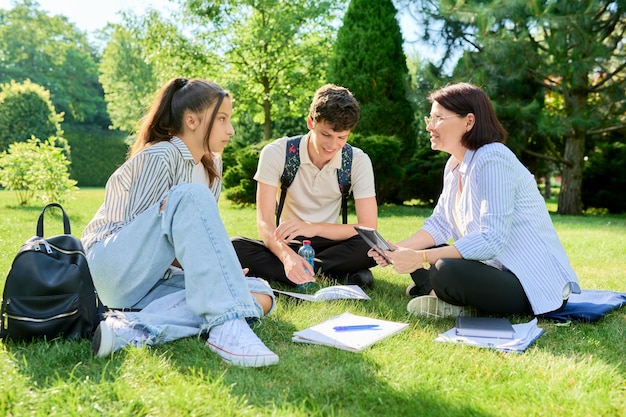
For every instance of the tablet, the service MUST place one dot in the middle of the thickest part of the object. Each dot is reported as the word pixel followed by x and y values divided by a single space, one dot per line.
pixel 375 240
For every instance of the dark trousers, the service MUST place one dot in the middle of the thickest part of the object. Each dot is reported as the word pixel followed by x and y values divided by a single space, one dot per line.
pixel 467 282
pixel 336 258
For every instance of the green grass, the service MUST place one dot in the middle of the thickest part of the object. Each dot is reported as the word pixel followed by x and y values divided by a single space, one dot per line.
pixel 574 370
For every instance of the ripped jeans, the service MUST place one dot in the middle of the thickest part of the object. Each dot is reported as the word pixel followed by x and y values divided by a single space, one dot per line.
pixel 130 269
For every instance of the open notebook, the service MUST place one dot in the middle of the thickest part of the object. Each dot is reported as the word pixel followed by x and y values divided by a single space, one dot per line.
pixel 348 331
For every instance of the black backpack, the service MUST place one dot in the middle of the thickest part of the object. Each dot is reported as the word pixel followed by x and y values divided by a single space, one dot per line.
pixel 49 292
pixel 292 163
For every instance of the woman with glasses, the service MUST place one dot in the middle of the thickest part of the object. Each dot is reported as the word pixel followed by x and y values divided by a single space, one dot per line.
pixel 505 257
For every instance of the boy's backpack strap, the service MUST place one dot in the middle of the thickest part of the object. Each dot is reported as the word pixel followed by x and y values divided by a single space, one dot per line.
pixel 344 176
pixel 292 163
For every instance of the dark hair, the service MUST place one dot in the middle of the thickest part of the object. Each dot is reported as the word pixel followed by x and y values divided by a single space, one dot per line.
pixel 165 117
pixel 336 106
pixel 464 98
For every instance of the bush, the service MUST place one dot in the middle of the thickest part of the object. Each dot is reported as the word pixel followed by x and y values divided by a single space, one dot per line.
pixel 604 180
pixel 238 177
pixel 96 154
pixel 424 176
pixel 26 111
pixel 384 151
pixel 36 169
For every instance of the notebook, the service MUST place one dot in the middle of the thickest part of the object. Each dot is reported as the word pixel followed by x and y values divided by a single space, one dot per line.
pixel 484 327
pixel 336 332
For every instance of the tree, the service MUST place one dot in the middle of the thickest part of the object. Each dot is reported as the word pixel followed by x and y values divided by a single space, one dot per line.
pixel 276 51
pixel 369 60
pixel 141 55
pixel 574 50
pixel 52 53
pixel 26 111
pixel 127 79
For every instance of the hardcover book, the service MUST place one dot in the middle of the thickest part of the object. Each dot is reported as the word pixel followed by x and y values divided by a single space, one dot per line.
pixel 484 327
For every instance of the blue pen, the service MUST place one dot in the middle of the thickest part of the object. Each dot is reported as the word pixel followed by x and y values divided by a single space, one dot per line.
pixel 356 327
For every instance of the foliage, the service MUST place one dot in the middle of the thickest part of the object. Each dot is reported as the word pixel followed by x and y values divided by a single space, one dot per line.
pixel 424 178
pixel 384 152
pixel 369 60
pixel 25 111
pixel 571 49
pixel 96 153
pixel 127 80
pixel 36 169
pixel 605 180
pixel 53 53
pixel 143 53
pixel 276 52
pixel 238 177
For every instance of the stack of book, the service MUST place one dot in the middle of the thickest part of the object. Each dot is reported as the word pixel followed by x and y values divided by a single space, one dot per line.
pixel 492 333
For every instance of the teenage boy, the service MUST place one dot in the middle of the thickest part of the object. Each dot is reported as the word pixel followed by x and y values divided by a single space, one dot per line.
pixel 314 200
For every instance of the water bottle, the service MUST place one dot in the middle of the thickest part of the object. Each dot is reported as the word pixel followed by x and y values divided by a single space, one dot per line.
pixel 308 253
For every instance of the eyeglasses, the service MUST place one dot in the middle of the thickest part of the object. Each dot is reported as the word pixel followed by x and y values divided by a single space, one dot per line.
pixel 435 120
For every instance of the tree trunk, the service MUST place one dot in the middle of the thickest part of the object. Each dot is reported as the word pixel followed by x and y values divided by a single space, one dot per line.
pixel 547 192
pixel 267 110
pixel 570 197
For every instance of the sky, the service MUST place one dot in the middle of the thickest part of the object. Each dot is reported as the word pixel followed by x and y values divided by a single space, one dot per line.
pixel 90 15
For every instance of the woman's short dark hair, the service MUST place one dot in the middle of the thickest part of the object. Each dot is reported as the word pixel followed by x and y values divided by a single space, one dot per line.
pixel 464 98
pixel 336 106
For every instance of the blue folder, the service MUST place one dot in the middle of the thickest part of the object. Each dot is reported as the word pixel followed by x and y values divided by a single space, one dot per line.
pixel 589 306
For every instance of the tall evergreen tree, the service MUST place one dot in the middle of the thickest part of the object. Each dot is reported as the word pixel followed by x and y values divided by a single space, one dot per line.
pixel 369 60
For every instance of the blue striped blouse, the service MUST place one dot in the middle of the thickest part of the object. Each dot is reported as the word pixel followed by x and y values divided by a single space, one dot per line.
pixel 503 222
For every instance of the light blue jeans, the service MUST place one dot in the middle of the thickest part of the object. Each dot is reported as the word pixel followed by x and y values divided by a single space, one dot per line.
pixel 130 269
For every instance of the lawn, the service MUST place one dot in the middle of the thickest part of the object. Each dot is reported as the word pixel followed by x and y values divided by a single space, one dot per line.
pixel 577 369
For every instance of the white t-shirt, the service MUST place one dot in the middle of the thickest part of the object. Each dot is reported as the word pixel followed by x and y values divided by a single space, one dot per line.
pixel 200 176
pixel 314 194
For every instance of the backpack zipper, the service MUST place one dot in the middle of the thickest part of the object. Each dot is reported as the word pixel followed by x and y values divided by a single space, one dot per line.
pixel 8 316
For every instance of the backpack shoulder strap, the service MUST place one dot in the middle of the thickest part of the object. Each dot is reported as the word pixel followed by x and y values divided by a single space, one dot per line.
pixel 344 177
pixel 292 163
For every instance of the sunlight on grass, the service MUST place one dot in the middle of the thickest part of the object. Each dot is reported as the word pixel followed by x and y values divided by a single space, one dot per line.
pixel 573 370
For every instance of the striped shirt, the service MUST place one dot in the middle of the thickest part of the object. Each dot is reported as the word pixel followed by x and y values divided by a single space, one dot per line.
pixel 141 182
pixel 503 221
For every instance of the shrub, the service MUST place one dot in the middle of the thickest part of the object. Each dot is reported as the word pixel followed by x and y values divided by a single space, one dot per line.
pixel 36 169
pixel 384 151
pixel 26 111
pixel 604 180
pixel 424 176
pixel 238 177
pixel 96 153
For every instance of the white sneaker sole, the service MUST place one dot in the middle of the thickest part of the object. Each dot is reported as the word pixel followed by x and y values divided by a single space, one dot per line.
pixel 250 361
pixel 430 306
pixel 103 341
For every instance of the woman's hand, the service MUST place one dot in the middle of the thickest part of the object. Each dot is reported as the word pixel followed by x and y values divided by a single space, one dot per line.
pixel 380 259
pixel 405 260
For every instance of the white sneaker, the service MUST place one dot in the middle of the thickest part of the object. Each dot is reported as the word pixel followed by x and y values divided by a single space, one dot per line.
pixel 431 306
pixel 114 333
pixel 235 342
